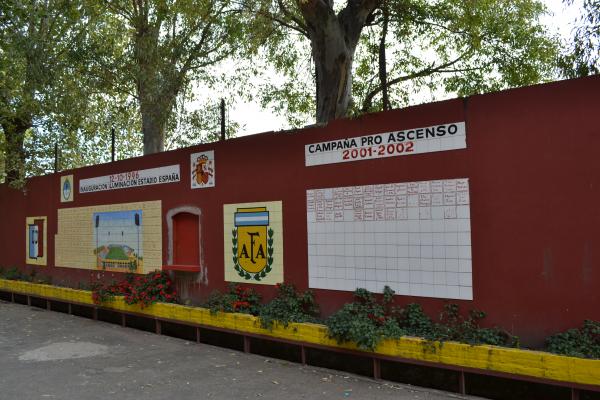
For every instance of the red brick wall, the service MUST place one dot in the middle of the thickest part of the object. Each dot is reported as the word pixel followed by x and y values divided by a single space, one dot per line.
pixel 533 163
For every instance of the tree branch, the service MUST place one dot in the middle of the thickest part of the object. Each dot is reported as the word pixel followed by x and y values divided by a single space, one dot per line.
pixel 315 12
pixel 435 24
pixel 354 16
pixel 367 103
pixel 283 23
pixel 291 15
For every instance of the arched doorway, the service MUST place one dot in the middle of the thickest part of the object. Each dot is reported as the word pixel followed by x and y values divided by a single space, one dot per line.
pixel 184 256
pixel 184 234
pixel 186 239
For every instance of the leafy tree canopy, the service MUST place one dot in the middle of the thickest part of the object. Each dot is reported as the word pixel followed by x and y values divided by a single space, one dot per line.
pixel 432 46
pixel 583 55
pixel 68 75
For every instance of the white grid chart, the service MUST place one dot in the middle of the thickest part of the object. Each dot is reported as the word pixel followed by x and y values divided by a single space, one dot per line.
pixel 414 237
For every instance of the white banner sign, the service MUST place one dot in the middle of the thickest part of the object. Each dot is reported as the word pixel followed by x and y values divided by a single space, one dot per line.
pixel 443 137
pixel 125 180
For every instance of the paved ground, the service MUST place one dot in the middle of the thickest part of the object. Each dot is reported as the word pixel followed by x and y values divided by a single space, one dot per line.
pixel 50 355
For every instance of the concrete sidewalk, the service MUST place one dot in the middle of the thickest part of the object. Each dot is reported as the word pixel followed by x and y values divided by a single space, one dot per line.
pixel 50 355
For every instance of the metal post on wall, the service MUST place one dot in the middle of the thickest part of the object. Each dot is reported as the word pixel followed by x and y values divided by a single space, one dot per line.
pixel 222 119
pixel 112 144
pixel 55 157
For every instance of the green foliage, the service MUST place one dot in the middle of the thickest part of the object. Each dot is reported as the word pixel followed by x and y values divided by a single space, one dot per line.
pixel 14 274
pixel 366 321
pixel 434 48
pixel 289 306
pixel 583 55
pixel 237 299
pixel 160 51
pixel 457 47
pixel 46 93
pixel 454 326
pixel 36 277
pixel 102 293
pixel 137 289
pixel 69 73
pixel 416 322
pixel 582 342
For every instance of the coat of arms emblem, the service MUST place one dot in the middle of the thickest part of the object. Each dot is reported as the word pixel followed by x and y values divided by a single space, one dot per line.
pixel 202 169
pixel 66 188
pixel 252 241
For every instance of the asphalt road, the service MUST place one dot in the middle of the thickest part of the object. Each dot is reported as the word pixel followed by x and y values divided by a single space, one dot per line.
pixel 50 355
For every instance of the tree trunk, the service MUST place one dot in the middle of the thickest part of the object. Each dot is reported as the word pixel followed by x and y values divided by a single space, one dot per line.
pixel 157 84
pixel 334 38
pixel 383 59
pixel 148 80
pixel 14 133
pixel 333 64
pixel 153 127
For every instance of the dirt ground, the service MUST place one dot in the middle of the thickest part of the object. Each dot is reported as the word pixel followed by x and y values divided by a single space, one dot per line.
pixel 50 355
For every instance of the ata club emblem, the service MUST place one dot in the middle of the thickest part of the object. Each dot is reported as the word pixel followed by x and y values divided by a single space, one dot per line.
pixel 252 243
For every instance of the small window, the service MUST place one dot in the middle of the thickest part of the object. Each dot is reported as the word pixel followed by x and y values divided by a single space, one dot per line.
pixel 36 240
pixel 33 241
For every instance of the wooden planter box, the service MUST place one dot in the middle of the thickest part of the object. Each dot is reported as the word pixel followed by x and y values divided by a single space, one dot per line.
pixel 488 359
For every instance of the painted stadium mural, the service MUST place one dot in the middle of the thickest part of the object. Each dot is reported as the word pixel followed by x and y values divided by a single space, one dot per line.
pixel 118 241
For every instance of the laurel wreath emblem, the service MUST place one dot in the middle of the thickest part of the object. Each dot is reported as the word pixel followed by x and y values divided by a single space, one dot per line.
pixel 241 271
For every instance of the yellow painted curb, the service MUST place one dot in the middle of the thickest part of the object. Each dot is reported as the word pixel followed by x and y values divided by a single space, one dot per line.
pixel 528 363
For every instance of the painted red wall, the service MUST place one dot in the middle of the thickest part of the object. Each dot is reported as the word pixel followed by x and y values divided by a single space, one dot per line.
pixel 533 163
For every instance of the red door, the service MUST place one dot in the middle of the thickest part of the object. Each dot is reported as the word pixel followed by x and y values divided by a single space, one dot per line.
pixel 186 239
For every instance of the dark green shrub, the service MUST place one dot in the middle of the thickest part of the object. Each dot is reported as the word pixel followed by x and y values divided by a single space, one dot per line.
pixel 582 342
pixel 289 306
pixel 416 323
pixel 13 274
pixel 137 289
pixel 365 321
pixel 238 299
pixel 454 326
pixel 36 277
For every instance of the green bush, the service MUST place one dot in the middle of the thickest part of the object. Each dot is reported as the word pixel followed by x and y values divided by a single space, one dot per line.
pixel 582 342
pixel 137 289
pixel 237 299
pixel 416 323
pixel 289 306
pixel 13 274
pixel 454 326
pixel 39 278
pixel 365 321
